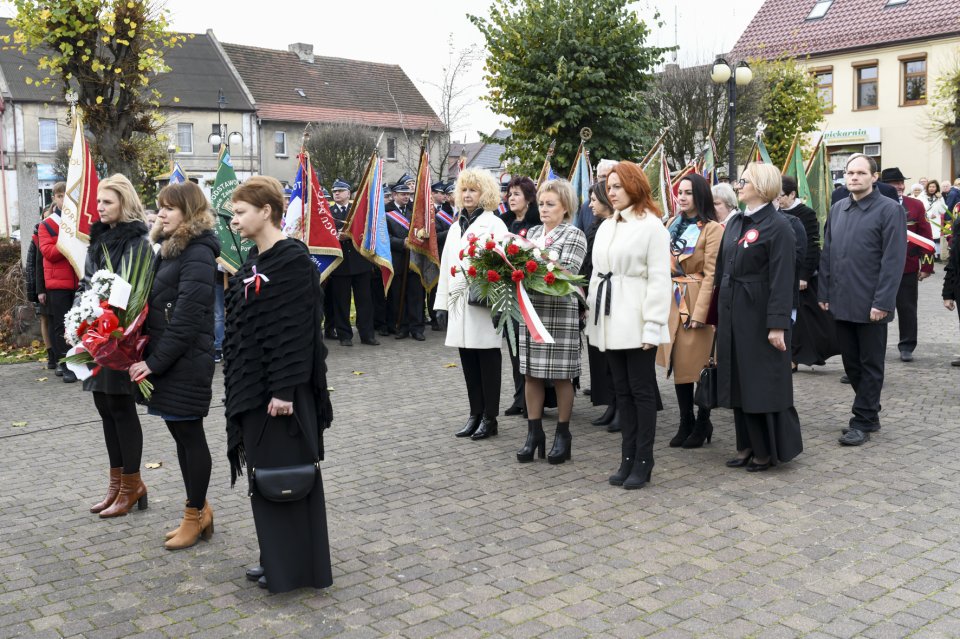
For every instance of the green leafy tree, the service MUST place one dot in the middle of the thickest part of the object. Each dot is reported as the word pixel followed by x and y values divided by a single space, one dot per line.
pixel 789 103
pixel 106 51
pixel 945 107
pixel 340 150
pixel 555 66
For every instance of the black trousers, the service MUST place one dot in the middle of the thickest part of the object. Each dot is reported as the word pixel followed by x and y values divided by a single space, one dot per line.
pixel 481 372
pixel 907 311
pixel 121 430
pixel 751 430
pixel 601 386
pixel 58 303
pixel 635 383
pixel 408 313
pixel 340 289
pixel 194 457
pixel 519 380
pixel 863 347
pixel 328 328
pixel 378 299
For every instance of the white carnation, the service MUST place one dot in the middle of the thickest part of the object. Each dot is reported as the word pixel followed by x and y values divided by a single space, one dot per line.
pixel 550 267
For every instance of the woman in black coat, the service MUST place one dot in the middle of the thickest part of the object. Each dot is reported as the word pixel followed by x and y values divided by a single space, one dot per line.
pixel 275 378
pixel 520 217
pixel 179 355
pixel 121 233
pixel 951 281
pixel 755 274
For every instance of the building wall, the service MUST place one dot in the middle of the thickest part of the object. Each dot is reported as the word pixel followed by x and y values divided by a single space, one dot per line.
pixel 202 162
pixel 903 132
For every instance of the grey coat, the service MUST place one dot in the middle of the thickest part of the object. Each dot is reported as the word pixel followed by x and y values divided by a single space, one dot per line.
pixel 864 249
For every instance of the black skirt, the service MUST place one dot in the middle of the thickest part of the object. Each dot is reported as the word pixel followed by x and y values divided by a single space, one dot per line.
pixel 294 546
pixel 814 334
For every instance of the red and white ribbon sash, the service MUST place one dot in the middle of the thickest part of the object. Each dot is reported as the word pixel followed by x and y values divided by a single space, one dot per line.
pixel 531 318
pixel 918 240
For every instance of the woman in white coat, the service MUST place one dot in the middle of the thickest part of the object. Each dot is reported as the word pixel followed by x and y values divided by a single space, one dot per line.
pixel 629 308
pixel 470 328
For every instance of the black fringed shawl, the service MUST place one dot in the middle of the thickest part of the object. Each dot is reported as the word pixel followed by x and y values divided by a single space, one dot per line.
pixel 273 339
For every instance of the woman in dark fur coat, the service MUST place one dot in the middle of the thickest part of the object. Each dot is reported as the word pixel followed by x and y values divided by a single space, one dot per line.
pixel 179 355
pixel 277 399
pixel 121 233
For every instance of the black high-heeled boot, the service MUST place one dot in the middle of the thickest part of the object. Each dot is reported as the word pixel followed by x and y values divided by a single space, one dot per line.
pixel 560 451
pixel 607 416
pixel 536 441
pixel 626 465
pixel 686 427
pixel 702 430
pixel 51 360
pixel 639 475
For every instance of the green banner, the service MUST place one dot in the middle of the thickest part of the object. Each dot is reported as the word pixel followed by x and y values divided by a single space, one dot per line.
pixel 820 185
pixel 795 168
pixel 233 249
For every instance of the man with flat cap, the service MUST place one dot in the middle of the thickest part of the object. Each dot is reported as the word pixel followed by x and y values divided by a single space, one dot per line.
pixel 443 214
pixel 352 276
pixel 918 267
pixel 405 299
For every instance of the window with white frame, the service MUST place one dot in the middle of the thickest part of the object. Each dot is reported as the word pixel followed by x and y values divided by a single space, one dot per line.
pixel 185 137
pixel 48 135
pixel 280 143
pixel 391 148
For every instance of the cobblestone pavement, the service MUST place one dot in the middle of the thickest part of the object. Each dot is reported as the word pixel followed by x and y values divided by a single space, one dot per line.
pixel 432 536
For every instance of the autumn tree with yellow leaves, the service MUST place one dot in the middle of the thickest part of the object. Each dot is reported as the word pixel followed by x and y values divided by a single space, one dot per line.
pixel 107 52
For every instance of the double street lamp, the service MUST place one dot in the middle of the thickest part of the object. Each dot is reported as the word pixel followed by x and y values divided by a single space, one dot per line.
pixel 218 138
pixel 741 75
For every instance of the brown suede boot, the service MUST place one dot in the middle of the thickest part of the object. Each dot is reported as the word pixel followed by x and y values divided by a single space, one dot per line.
pixel 206 507
pixel 113 489
pixel 132 491
pixel 191 529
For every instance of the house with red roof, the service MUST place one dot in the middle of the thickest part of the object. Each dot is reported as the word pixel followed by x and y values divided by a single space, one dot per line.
pixel 876 61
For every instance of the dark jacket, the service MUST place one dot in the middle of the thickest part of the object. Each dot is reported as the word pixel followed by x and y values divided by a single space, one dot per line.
pixel 799 252
pixel 864 247
pixel 756 295
pixel 520 227
pixel 951 272
pixel 33 268
pixel 811 227
pixel 353 262
pixel 180 320
pixel 952 199
pixel 398 237
pixel 586 269
pixel 122 241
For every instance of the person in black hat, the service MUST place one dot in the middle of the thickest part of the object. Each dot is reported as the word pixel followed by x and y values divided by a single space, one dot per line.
pixel 353 275
pixel 405 299
pixel 918 267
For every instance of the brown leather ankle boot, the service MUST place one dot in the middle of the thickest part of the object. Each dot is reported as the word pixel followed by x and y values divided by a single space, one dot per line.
pixel 173 533
pixel 195 524
pixel 113 488
pixel 132 491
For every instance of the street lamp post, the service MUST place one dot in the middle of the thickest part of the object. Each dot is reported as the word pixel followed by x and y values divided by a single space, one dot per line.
pixel 216 139
pixel 741 75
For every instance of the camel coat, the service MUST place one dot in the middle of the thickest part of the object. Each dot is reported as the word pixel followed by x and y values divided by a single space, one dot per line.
pixel 689 349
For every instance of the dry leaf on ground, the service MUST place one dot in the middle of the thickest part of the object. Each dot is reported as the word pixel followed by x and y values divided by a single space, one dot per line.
pixel 152 465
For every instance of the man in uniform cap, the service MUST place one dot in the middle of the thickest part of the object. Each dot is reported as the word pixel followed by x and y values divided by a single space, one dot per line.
pixel 918 266
pixel 353 275
pixel 405 298
pixel 443 214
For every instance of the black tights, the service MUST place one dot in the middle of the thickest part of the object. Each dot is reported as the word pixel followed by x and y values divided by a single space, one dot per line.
pixel 194 457
pixel 685 401
pixel 121 430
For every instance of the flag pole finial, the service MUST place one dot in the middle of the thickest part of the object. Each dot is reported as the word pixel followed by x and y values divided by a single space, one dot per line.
pixel 72 98
pixel 585 134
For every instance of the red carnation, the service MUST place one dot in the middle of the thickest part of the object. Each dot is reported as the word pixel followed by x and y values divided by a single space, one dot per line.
pixel 549 278
pixel 493 276
pixel 453 271
pixel 84 325
pixel 471 238
pixel 461 254
pixel 517 275
pixel 531 266
pixel 472 250
pixel 513 249
pixel 489 245
pixel 472 271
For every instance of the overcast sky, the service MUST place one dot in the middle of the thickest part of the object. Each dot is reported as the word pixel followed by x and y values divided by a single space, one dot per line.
pixel 414 34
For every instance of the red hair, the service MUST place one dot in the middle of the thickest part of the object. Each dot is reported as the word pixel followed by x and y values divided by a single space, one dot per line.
pixel 636 185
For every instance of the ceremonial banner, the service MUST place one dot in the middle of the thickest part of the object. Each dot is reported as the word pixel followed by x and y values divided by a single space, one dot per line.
pixel 233 248
pixel 79 210
pixel 708 166
pixel 422 237
pixel 794 167
pixel 658 174
pixel 581 177
pixel 546 172
pixel 366 223
pixel 177 176
pixel 819 184
pixel 317 226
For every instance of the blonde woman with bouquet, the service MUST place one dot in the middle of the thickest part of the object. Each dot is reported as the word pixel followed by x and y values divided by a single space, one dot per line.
pixel 470 328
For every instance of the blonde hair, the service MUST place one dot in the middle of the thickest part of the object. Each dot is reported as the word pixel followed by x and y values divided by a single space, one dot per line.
pixel 482 181
pixel 766 180
pixel 131 208
pixel 563 190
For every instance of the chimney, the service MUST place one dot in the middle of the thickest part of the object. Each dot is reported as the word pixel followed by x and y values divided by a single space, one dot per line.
pixel 303 50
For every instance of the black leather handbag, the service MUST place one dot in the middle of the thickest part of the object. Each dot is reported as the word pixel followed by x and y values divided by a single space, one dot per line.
pixel 284 483
pixel 706 395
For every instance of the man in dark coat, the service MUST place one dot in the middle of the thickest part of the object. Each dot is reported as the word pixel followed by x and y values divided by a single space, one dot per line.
pixel 443 216
pixel 353 275
pixel 864 248
pixel 918 266
pixel 951 281
pixel 405 299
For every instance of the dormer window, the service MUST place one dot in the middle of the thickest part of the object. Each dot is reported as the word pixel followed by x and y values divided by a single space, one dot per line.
pixel 301 93
pixel 819 9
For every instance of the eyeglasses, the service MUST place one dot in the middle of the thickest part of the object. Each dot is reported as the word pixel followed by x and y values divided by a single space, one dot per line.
pixel 743 181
